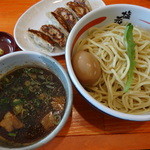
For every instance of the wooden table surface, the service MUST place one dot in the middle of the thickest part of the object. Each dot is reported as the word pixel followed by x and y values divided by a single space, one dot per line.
pixel 86 128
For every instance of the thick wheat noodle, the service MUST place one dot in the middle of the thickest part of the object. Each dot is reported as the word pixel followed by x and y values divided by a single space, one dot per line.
pixel 107 44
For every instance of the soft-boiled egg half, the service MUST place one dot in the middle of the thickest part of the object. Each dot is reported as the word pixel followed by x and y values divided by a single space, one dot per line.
pixel 86 67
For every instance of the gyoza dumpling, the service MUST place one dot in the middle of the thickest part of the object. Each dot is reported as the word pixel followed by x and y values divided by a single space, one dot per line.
pixel 67 16
pixel 58 22
pixel 55 34
pixel 79 8
pixel 41 39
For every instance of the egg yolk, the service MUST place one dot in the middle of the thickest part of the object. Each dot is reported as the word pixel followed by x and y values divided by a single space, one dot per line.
pixel 86 67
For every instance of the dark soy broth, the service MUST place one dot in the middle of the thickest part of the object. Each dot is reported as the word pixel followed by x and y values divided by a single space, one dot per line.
pixel 32 103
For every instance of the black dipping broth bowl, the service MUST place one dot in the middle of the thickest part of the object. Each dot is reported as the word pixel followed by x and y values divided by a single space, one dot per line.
pixel 21 59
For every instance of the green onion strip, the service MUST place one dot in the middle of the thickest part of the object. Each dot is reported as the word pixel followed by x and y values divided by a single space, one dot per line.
pixel 130 45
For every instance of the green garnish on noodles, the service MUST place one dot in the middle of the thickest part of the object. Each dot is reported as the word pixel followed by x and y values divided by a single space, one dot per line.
pixel 130 45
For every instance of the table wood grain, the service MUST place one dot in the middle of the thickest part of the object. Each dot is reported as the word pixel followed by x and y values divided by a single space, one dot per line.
pixel 86 128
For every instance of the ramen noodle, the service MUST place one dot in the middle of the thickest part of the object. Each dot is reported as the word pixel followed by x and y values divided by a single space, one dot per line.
pixel 107 45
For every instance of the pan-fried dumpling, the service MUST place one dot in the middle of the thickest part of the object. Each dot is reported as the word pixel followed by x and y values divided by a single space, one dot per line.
pixel 41 39
pixel 55 34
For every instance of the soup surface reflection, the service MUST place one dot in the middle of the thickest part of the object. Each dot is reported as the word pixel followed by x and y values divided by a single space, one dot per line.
pixel 32 102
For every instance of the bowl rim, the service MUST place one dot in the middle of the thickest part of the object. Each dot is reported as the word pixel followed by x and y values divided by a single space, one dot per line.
pixel 68 107
pixel 74 79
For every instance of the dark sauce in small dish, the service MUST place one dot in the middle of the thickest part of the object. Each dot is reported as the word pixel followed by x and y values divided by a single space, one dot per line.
pixel 7 43
pixel 32 103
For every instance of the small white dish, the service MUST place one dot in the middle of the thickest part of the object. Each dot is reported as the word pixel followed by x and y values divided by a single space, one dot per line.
pixel 35 17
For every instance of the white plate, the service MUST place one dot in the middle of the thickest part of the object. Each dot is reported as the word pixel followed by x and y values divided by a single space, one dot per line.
pixel 35 17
